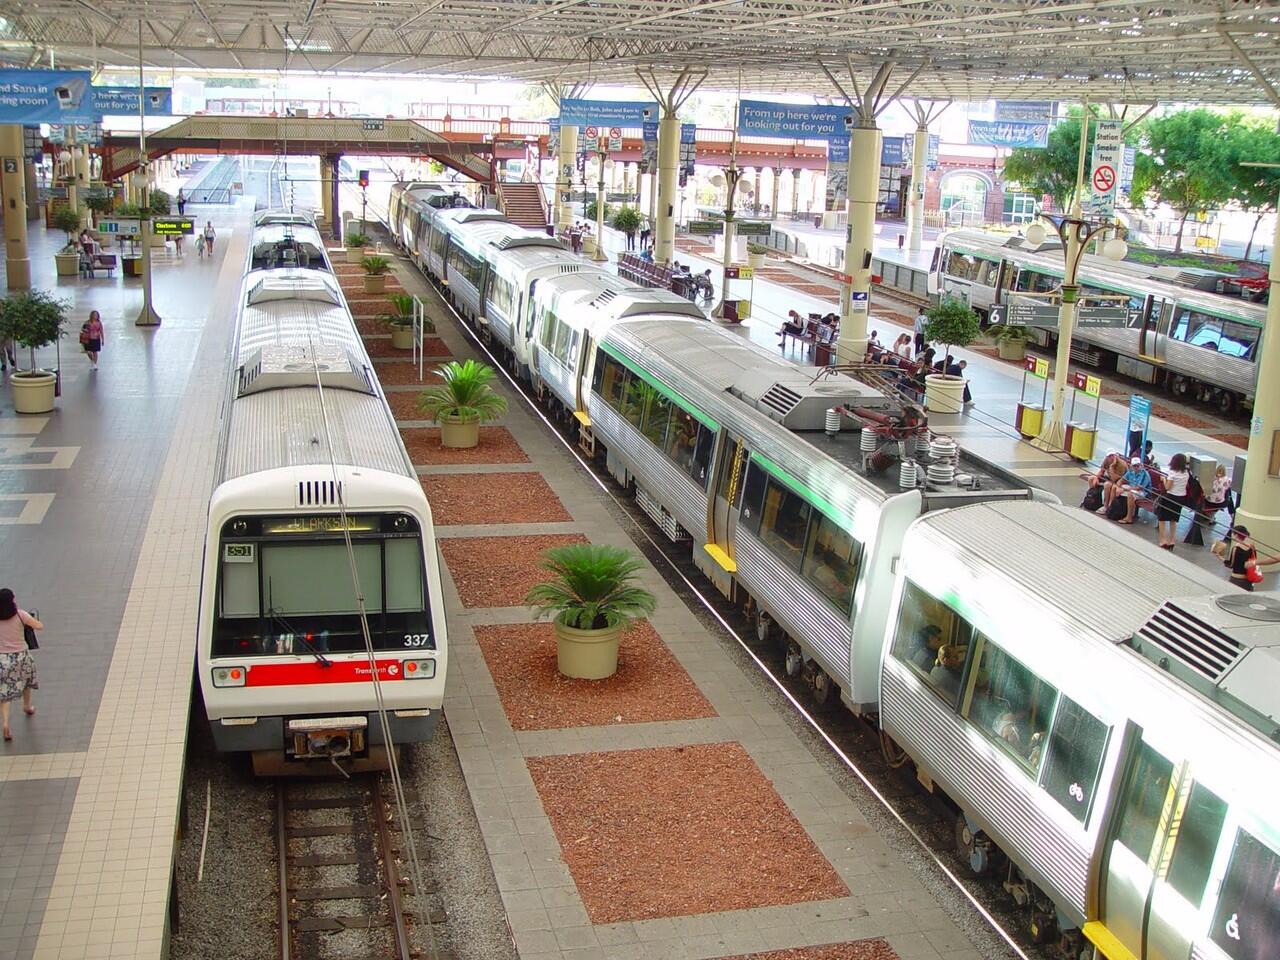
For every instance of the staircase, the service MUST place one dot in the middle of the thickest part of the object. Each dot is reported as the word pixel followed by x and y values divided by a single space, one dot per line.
pixel 523 204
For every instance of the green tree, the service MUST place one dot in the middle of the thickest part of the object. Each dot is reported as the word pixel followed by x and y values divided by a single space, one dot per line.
pixel 1256 189
pixel 1189 163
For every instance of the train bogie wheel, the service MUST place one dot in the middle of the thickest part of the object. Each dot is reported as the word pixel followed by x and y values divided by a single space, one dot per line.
pixel 823 687
pixel 1227 402
pixel 764 626
pixel 1041 926
pixel 794 662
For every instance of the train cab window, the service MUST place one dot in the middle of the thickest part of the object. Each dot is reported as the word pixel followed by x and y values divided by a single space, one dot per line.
pixel 1196 328
pixel 1144 800
pixel 656 419
pixel 831 562
pixel 239 580
pixel 682 438
pixel 1246 925
pixel 933 640
pixel 1238 340
pixel 784 520
pixel 316 579
pixel 403 562
pixel 1074 757
pixel 1197 843
pixel 1011 705
pixel 753 485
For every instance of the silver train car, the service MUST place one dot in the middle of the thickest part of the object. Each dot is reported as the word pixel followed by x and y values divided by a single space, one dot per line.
pixel 1098 715
pixel 1193 342
pixel 310 463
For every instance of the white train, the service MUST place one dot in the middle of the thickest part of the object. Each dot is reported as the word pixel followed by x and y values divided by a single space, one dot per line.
pixel 317 529
pixel 1101 717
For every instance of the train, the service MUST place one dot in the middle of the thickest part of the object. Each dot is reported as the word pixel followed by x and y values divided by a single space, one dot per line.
pixel 1196 343
pixel 1099 716
pixel 320 570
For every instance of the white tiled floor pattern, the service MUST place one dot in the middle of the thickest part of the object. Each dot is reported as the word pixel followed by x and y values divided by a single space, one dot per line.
pixel 111 891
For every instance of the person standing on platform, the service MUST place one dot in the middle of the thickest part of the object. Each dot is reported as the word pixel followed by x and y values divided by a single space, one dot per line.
pixel 200 244
pixel 919 325
pixel 91 337
pixel 17 667
pixel 1172 500
pixel 645 230
pixel 8 355
pixel 182 204
pixel 209 235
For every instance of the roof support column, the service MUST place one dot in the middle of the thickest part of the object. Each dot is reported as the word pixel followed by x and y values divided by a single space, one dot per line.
pixel 326 191
pixel 14 190
pixel 80 160
pixel 671 96
pixel 1260 495
pixel 925 112
pixel 795 191
pixel 777 182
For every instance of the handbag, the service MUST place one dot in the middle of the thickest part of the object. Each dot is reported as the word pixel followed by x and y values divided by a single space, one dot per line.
pixel 1253 573
pixel 29 634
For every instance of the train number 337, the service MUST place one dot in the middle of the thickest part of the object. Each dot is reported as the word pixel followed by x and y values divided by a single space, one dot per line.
pixel 417 639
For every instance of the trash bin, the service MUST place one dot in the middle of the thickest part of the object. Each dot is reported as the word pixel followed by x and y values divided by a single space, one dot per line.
pixel 817 220
pixel 1029 419
pixel 1080 440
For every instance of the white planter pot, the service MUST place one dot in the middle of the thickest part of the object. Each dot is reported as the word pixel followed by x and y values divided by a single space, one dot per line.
pixel 66 264
pixel 355 255
pixel 1012 349
pixel 587 654
pixel 459 434
pixel 33 392
pixel 402 338
pixel 943 394
pixel 375 284
pixel 755 260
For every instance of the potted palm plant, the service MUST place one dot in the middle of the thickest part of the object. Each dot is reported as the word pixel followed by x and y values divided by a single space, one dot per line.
pixel 755 254
pixel 67 260
pixel 462 402
pixel 951 323
pixel 33 319
pixel 1011 342
pixel 591 598
pixel 356 242
pixel 400 321
pixel 375 274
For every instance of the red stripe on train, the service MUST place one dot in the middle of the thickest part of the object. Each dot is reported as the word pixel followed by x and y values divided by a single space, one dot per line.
pixel 311 671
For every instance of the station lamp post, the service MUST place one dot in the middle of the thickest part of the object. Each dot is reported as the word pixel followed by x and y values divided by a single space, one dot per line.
pixel 147 316
pixel 601 153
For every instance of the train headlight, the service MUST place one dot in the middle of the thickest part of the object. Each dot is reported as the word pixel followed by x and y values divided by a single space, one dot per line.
pixel 419 669
pixel 229 676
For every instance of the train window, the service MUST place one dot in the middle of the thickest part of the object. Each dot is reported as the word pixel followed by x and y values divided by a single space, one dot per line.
pixel 1011 705
pixel 933 640
pixel 1030 281
pixel 501 295
pixel 682 438
pixel 1246 925
pixel 784 520
pixel 1144 800
pixel 560 349
pixel 1074 755
pixel 403 561
pixel 657 418
pixel 637 398
pixel 1196 328
pixel 985 273
pixel 1197 843
pixel 701 465
pixel 239 583
pixel 612 378
pixel 753 485
pixel 315 578
pixel 1238 340
pixel 962 266
pixel 831 562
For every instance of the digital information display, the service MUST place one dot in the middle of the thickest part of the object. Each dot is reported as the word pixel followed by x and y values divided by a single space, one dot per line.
pixel 173 226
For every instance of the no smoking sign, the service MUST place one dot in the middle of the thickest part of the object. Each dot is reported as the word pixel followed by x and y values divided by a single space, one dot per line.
pixel 1104 179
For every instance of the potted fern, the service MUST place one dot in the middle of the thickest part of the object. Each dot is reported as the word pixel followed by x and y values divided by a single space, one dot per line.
pixel 951 323
pixel 33 319
pixel 67 260
pixel 356 242
pixel 756 254
pixel 1011 342
pixel 375 274
pixel 400 321
pixel 591 598
pixel 462 402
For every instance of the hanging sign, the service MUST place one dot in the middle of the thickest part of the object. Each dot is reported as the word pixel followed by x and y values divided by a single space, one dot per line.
pixel 649 147
pixel 1026 111
pixel 553 136
pixel 892 151
pixel 1008 133
pixel 1104 174
pixel 46 96
pixel 688 151
pixel 615 138
pixel 606 113
pixel 764 118
pixel 173 226
pixel 1023 313
pixel 119 228
pixel 123 101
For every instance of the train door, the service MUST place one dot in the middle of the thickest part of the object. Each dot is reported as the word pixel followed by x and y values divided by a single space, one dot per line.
pixel 1161 850
pixel 728 495
pixel 1151 343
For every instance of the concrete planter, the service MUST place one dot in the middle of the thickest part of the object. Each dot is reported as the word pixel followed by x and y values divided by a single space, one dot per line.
pixel 458 433
pixel 402 338
pixel 755 260
pixel 66 264
pixel 355 255
pixel 1012 349
pixel 375 284
pixel 587 654
pixel 33 391
pixel 943 394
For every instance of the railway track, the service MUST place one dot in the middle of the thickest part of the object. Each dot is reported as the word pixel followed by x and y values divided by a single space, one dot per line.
pixel 343 888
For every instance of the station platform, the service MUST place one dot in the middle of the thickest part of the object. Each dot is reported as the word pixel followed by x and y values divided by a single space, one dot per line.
pixel 102 506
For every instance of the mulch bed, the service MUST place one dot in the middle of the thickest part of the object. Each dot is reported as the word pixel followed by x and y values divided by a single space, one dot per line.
pixel 497 444
pixel 404 406
pixel 1240 440
pixel 379 346
pixel 498 571
pixel 1181 419
pixel 367 326
pixel 677 831
pixel 876 949
pixel 650 684
pixel 398 373
pixel 522 497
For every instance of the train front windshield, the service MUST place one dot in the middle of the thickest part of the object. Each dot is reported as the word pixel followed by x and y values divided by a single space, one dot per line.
pixel 286 586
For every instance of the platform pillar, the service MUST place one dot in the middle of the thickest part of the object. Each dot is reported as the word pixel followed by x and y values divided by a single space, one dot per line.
pixel 664 227
pixel 864 188
pixel 777 182
pixel 13 188
pixel 33 190
pixel 915 206
pixel 80 157
pixel 335 195
pixel 1260 495
pixel 566 160
pixel 326 191
pixel 795 190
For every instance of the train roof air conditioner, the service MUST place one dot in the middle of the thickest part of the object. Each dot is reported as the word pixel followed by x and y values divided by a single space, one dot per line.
pixel 276 367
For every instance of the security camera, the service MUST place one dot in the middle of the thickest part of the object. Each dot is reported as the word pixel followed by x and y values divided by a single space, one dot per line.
pixel 64 95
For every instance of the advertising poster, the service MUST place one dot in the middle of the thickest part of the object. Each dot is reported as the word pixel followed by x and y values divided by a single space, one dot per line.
pixel 688 151
pixel 123 101
pixel 1008 133
pixel 46 96
pixel 606 113
pixel 649 147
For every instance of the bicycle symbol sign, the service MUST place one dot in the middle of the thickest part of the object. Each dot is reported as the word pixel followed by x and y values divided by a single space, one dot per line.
pixel 1104 178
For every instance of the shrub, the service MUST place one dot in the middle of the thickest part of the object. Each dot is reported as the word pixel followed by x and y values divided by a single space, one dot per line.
pixel 951 323
pixel 593 587
pixel 1007 334
pixel 464 395
pixel 357 240
pixel 375 266
pixel 589 211
pixel 129 210
pixel 627 219
pixel 100 202
pixel 68 219
pixel 757 248
pixel 33 319
pixel 158 203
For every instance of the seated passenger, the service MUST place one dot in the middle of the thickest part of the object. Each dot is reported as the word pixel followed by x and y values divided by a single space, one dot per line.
pixel 1135 485
pixel 928 640
pixel 793 326
pixel 1111 483
pixel 945 676
pixel 832 577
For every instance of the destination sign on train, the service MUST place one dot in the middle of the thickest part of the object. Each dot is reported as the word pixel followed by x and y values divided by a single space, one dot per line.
pixel 325 523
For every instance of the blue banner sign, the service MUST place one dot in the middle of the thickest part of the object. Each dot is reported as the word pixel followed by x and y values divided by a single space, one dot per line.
pixel 46 96
pixel 606 113
pixel 90 133
pixel 123 101
pixel 1139 420
pixel 838 150
pixel 1025 111
pixel 688 150
pixel 1008 133
pixel 764 118
pixel 891 151
pixel 649 147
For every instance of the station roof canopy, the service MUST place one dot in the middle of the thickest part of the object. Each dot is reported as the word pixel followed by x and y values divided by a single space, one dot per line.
pixel 1115 50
